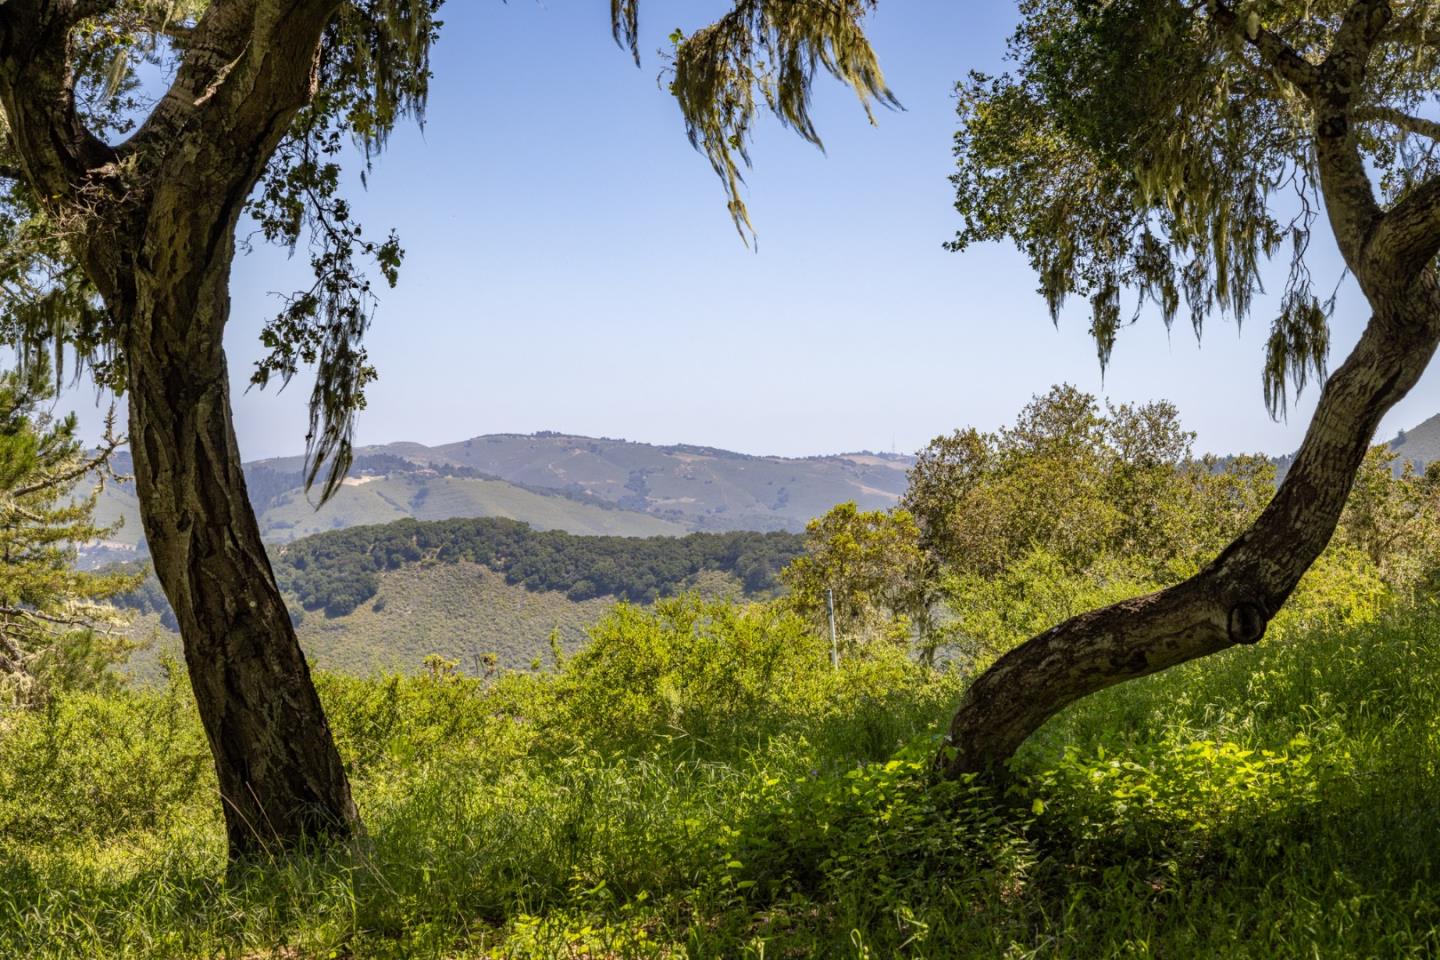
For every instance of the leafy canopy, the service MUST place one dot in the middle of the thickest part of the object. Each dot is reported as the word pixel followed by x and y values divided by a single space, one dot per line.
pixel 373 70
pixel 1164 148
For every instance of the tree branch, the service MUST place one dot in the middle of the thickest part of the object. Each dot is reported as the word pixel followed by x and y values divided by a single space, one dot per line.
pixel 1274 51
pixel 1407 238
pixel 1345 183
pixel 1413 28
pixel 65 477
pixel 1398 118
pixel 245 62
pixel 38 97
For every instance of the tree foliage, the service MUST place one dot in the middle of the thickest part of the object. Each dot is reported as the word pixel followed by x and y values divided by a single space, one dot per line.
pixel 1082 482
pixel 763 52
pixel 1070 507
pixel 1166 148
pixel 869 565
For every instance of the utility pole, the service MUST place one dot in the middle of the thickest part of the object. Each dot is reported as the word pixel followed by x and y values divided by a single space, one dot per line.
pixel 830 611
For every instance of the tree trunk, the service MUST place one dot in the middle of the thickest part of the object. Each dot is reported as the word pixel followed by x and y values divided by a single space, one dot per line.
pixel 1232 600
pixel 152 222
pixel 281 779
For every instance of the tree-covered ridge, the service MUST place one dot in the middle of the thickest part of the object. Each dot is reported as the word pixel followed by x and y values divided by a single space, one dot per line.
pixel 339 571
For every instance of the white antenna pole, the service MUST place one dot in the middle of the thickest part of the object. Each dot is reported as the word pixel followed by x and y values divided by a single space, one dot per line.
pixel 830 611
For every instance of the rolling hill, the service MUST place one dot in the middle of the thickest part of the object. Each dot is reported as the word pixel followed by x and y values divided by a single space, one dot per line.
pixel 701 487
pixel 381 489
pixel 384 597
pixel 550 481
pixel 1420 444
pixel 698 488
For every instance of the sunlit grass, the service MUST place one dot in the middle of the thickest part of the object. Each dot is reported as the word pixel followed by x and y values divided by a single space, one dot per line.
pixel 1279 801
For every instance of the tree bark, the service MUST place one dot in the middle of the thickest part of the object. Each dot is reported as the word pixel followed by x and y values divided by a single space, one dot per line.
pixel 153 223
pixel 1392 255
pixel 1233 599
pixel 280 776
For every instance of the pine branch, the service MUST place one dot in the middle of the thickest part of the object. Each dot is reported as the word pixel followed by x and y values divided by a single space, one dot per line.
pixel 74 473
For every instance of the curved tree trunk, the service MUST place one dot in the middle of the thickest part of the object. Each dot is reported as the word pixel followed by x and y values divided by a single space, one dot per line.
pixel 281 779
pixel 1232 600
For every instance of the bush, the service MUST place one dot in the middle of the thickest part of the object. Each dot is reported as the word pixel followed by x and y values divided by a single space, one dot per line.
pixel 699 782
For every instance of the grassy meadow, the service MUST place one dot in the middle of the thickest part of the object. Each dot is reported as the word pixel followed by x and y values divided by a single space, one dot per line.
pixel 697 782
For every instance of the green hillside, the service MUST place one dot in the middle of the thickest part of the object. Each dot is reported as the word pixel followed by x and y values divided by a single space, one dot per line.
pixel 384 597
pixel 460 611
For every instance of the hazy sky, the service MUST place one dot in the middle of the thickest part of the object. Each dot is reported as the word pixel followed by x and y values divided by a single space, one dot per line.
pixel 571 265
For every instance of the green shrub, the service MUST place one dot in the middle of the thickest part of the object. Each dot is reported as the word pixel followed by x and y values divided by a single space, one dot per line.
pixel 700 782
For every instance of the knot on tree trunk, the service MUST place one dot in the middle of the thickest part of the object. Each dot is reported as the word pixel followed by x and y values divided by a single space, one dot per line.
pixel 1247 622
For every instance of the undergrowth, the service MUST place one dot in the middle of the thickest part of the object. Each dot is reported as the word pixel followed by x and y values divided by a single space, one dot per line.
pixel 699 783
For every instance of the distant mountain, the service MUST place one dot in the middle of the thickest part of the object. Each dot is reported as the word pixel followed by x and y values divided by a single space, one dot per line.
pixel 702 488
pixel 1420 444
pixel 552 481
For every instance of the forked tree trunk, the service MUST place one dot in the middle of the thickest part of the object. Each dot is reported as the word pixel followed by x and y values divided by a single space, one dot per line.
pixel 1233 599
pixel 280 777
pixel 155 221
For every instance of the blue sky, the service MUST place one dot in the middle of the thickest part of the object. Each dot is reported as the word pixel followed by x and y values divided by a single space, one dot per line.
pixel 571 265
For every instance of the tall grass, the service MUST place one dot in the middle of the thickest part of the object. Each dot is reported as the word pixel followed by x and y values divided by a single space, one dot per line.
pixel 700 783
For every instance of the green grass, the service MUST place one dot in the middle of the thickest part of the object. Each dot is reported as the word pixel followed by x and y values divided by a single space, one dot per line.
pixel 699 783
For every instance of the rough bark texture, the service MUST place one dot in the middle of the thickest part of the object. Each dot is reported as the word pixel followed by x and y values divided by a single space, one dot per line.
pixel 280 776
pixel 154 226
pixel 1231 601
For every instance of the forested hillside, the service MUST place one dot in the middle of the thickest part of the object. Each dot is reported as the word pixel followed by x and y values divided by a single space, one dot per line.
pixel 335 572
pixel 387 596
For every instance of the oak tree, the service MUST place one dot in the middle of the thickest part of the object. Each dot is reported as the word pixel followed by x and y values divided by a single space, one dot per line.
pixel 119 205
pixel 866 568
pixel 1169 148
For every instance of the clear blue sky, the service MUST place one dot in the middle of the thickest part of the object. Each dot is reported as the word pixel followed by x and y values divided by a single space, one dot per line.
pixel 571 265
